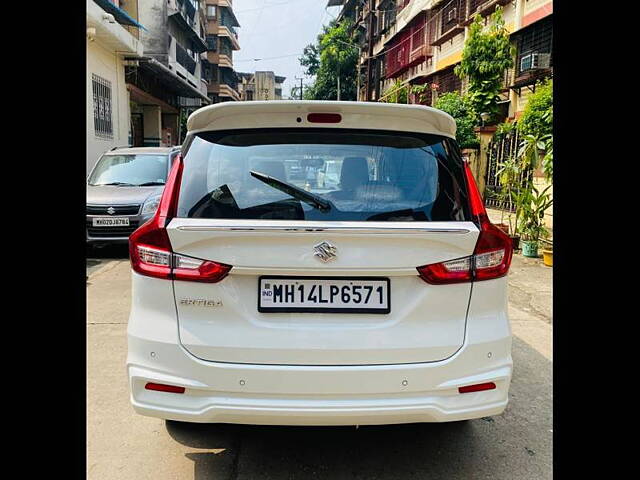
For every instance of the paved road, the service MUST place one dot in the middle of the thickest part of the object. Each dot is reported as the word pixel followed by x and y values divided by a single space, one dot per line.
pixel 515 445
pixel 99 257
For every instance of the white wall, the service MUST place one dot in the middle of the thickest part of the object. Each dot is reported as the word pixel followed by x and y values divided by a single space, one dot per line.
pixel 108 65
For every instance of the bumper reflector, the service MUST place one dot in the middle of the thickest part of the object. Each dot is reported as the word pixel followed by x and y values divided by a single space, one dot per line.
pixel 164 388
pixel 477 388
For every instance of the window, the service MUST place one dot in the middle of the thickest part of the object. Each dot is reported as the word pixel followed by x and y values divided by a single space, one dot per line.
pixel 130 170
pixel 212 43
pixel 365 175
pixel 211 11
pixel 102 107
pixel 449 16
pixel 536 38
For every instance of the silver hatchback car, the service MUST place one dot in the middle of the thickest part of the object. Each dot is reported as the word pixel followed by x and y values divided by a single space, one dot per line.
pixel 124 189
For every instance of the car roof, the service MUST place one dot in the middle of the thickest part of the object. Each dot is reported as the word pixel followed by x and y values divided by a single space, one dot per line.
pixel 285 114
pixel 141 150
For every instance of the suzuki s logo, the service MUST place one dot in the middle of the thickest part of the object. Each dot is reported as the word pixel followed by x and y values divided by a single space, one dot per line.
pixel 325 251
pixel 111 210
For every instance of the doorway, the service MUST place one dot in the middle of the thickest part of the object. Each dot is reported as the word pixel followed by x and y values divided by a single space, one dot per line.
pixel 137 129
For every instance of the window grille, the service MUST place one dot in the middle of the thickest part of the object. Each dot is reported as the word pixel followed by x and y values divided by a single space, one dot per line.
pixel 449 81
pixel 534 39
pixel 102 107
pixel 451 15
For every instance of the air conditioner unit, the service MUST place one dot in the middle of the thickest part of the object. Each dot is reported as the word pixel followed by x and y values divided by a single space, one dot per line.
pixel 535 61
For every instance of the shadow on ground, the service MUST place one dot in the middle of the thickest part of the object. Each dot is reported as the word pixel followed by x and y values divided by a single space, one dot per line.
pixel 96 257
pixel 516 444
pixel 107 252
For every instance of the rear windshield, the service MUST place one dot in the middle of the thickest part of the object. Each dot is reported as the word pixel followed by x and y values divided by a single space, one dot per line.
pixel 130 170
pixel 322 174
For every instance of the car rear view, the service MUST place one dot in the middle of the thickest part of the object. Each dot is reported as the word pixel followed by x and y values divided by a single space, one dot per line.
pixel 319 263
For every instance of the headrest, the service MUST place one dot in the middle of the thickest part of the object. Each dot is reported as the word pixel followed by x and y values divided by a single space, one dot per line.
pixel 354 172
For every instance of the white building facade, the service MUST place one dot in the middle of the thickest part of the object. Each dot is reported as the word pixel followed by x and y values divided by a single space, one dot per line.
pixel 108 115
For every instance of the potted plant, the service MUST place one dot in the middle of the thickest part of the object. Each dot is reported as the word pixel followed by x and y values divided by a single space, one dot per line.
pixel 547 253
pixel 533 204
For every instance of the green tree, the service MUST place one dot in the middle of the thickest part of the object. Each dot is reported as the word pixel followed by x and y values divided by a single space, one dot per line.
pixel 537 117
pixel 396 93
pixel 460 109
pixel 536 127
pixel 485 58
pixel 334 56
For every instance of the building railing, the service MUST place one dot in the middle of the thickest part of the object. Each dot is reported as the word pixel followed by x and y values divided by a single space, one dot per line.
pixel 409 47
pixel 229 78
pixel 184 59
pixel 450 21
pixel 225 48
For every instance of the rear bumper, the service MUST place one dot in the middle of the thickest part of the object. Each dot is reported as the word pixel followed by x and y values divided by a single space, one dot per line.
pixel 317 395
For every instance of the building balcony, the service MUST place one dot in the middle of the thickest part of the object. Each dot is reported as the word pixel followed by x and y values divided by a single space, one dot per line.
pixel 184 64
pixel 227 16
pixel 228 32
pixel 225 60
pixel 228 91
pixel 112 35
pixel 183 13
pixel 184 59
pixel 483 7
pixel 451 21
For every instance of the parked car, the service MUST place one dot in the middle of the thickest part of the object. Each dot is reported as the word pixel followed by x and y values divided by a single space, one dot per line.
pixel 329 176
pixel 124 189
pixel 258 299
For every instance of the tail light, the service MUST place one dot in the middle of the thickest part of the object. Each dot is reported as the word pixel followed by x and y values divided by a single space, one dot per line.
pixel 150 249
pixel 161 387
pixel 491 257
pixel 478 387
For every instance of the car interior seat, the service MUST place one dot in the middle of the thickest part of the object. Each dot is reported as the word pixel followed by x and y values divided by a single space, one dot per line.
pixel 353 174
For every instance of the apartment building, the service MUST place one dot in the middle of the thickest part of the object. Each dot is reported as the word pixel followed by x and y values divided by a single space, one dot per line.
pixel 260 86
pixel 112 35
pixel 421 41
pixel 222 41
pixel 167 77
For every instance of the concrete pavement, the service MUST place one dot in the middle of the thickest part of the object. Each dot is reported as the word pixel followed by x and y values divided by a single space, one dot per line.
pixel 123 445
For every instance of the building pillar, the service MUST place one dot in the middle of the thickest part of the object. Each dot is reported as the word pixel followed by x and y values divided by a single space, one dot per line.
pixel 485 134
pixel 170 129
pixel 152 119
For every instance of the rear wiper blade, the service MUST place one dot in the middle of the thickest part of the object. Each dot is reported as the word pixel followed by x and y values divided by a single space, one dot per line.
pixel 111 183
pixel 296 192
pixel 149 184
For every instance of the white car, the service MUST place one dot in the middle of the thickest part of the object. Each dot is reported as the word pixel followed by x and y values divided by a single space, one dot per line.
pixel 258 300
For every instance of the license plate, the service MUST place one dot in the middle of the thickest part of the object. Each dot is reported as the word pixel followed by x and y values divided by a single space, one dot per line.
pixel 111 222
pixel 324 294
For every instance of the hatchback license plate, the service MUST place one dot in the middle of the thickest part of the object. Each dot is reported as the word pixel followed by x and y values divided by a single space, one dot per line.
pixel 324 294
pixel 111 222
